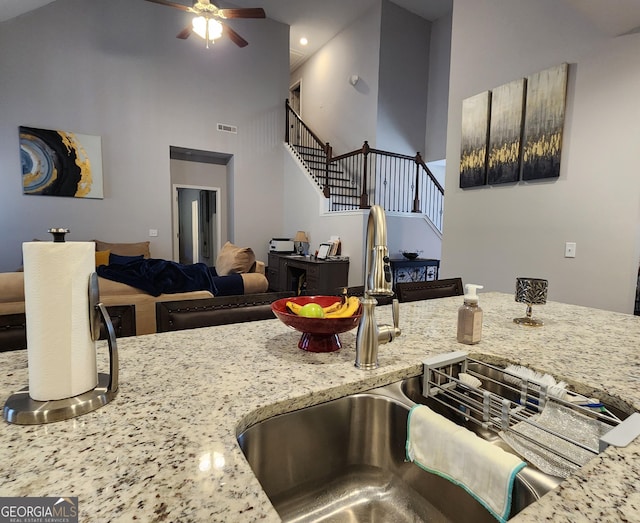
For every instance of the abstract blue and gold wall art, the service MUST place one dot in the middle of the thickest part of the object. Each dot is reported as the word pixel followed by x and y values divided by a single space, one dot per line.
pixel 544 123
pixel 474 140
pixel 60 163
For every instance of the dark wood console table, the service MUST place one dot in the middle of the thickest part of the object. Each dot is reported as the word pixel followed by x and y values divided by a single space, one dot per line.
pixel 414 270
pixel 304 275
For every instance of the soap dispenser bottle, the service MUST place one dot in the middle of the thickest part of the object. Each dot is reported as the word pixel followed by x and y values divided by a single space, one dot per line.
pixel 470 316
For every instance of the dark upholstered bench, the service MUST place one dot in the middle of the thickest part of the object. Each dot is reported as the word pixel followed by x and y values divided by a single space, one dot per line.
pixel 428 290
pixel 207 312
pixel 13 331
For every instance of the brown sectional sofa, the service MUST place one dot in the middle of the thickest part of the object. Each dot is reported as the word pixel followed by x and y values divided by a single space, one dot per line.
pixel 119 297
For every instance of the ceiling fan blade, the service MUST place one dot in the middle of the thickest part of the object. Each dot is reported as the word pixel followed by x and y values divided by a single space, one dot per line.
pixel 185 33
pixel 171 4
pixel 233 36
pixel 249 12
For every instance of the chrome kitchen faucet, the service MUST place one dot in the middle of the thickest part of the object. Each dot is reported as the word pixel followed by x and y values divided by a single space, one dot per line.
pixel 377 282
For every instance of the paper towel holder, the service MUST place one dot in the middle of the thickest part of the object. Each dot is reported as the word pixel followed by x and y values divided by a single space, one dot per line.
pixel 58 234
pixel 21 409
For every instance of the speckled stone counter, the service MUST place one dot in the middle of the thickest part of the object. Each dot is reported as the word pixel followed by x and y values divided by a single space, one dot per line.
pixel 165 449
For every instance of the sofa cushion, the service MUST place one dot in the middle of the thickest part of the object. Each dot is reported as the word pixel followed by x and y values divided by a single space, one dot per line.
pixel 124 249
pixel 254 282
pixel 102 258
pixel 234 259
pixel 11 287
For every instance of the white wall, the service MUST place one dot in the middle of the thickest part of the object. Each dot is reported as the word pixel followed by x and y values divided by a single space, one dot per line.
pixel 402 80
pixel 115 69
pixel 305 210
pixel 494 234
pixel 338 112
pixel 438 94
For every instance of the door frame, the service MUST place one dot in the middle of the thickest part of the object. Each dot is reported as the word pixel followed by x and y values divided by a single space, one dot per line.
pixel 297 85
pixel 175 240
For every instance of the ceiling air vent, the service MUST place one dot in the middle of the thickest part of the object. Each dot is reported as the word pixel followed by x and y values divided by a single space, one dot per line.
pixel 226 128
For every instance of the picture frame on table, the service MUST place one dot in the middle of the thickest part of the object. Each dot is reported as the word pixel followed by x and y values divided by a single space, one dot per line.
pixel 323 250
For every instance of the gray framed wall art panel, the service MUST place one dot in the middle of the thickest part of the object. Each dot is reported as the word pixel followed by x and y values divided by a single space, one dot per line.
pixel 505 133
pixel 544 122
pixel 474 140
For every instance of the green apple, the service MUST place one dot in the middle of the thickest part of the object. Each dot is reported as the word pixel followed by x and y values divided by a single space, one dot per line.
pixel 312 310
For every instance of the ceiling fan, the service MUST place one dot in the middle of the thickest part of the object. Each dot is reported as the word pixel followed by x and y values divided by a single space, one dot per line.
pixel 208 22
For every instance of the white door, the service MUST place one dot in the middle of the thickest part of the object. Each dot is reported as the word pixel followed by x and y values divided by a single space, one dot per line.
pixel 197 225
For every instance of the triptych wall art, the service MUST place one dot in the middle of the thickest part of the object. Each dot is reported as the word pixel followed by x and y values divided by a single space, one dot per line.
pixel 60 163
pixel 514 132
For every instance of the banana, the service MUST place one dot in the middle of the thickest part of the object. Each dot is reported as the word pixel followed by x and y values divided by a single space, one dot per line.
pixel 346 309
pixel 293 307
pixel 339 309
pixel 333 307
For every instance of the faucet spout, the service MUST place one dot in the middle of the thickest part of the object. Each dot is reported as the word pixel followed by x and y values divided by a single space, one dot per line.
pixel 378 271
pixel 377 283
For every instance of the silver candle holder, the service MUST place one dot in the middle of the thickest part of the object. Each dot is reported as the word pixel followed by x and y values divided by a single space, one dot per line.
pixel 532 291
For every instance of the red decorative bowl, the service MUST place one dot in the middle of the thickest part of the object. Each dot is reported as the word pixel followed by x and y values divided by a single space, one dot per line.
pixel 318 334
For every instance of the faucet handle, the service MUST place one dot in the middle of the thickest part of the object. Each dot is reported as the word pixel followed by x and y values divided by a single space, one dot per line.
pixel 388 333
pixel 395 313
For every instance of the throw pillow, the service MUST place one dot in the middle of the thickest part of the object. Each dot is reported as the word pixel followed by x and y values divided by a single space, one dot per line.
pixel 102 258
pixel 124 249
pixel 234 259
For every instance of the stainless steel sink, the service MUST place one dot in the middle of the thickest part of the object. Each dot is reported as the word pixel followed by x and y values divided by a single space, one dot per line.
pixel 344 460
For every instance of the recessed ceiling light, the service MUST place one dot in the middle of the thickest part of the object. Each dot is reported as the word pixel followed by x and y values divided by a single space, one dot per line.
pixel 303 41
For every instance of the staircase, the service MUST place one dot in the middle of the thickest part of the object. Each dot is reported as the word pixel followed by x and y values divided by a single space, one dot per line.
pixel 345 195
pixel 366 176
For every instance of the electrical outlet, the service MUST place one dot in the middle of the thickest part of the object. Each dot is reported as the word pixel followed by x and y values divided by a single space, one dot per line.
pixel 570 250
pixel 153 233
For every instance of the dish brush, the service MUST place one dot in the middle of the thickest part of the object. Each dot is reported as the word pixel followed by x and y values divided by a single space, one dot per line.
pixel 514 374
pixel 469 380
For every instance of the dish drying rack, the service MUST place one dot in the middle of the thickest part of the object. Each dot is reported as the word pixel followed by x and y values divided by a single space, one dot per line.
pixel 446 381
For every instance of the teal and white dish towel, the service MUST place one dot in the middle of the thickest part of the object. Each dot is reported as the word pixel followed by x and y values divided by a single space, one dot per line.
pixel 484 470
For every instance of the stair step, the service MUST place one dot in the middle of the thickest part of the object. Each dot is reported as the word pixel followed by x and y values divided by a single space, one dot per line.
pixel 321 170
pixel 339 186
pixel 310 151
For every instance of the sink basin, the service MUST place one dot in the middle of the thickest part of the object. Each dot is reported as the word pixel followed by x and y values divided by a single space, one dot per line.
pixel 344 460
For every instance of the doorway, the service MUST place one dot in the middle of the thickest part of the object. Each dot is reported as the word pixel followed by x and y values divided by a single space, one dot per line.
pixel 201 189
pixel 295 97
pixel 198 224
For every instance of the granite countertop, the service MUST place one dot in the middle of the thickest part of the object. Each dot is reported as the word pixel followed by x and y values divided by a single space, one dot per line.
pixel 165 449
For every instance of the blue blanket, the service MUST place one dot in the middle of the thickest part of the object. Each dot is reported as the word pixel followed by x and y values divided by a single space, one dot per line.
pixel 156 276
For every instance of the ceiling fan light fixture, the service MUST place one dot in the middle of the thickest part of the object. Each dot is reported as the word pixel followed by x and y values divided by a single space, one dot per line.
pixel 207 28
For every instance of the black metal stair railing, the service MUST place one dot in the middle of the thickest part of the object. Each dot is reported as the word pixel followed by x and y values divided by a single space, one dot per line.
pixel 367 176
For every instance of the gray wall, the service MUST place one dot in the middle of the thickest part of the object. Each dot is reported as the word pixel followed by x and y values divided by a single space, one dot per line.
pixel 114 68
pixel 402 80
pixel 338 112
pixel 494 234
pixel 400 101
pixel 438 94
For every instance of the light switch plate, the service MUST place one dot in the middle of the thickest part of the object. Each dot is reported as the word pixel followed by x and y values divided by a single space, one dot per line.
pixel 570 250
pixel 153 233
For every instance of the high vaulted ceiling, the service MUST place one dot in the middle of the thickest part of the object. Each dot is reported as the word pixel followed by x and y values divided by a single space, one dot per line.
pixel 320 20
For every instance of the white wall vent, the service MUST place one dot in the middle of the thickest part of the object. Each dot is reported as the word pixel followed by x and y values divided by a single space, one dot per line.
pixel 226 128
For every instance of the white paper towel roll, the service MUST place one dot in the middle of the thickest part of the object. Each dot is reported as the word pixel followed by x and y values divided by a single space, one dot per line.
pixel 60 351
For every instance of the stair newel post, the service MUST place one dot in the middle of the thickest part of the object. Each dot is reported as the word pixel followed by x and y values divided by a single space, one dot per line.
pixel 286 125
pixel 328 151
pixel 416 201
pixel 364 197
